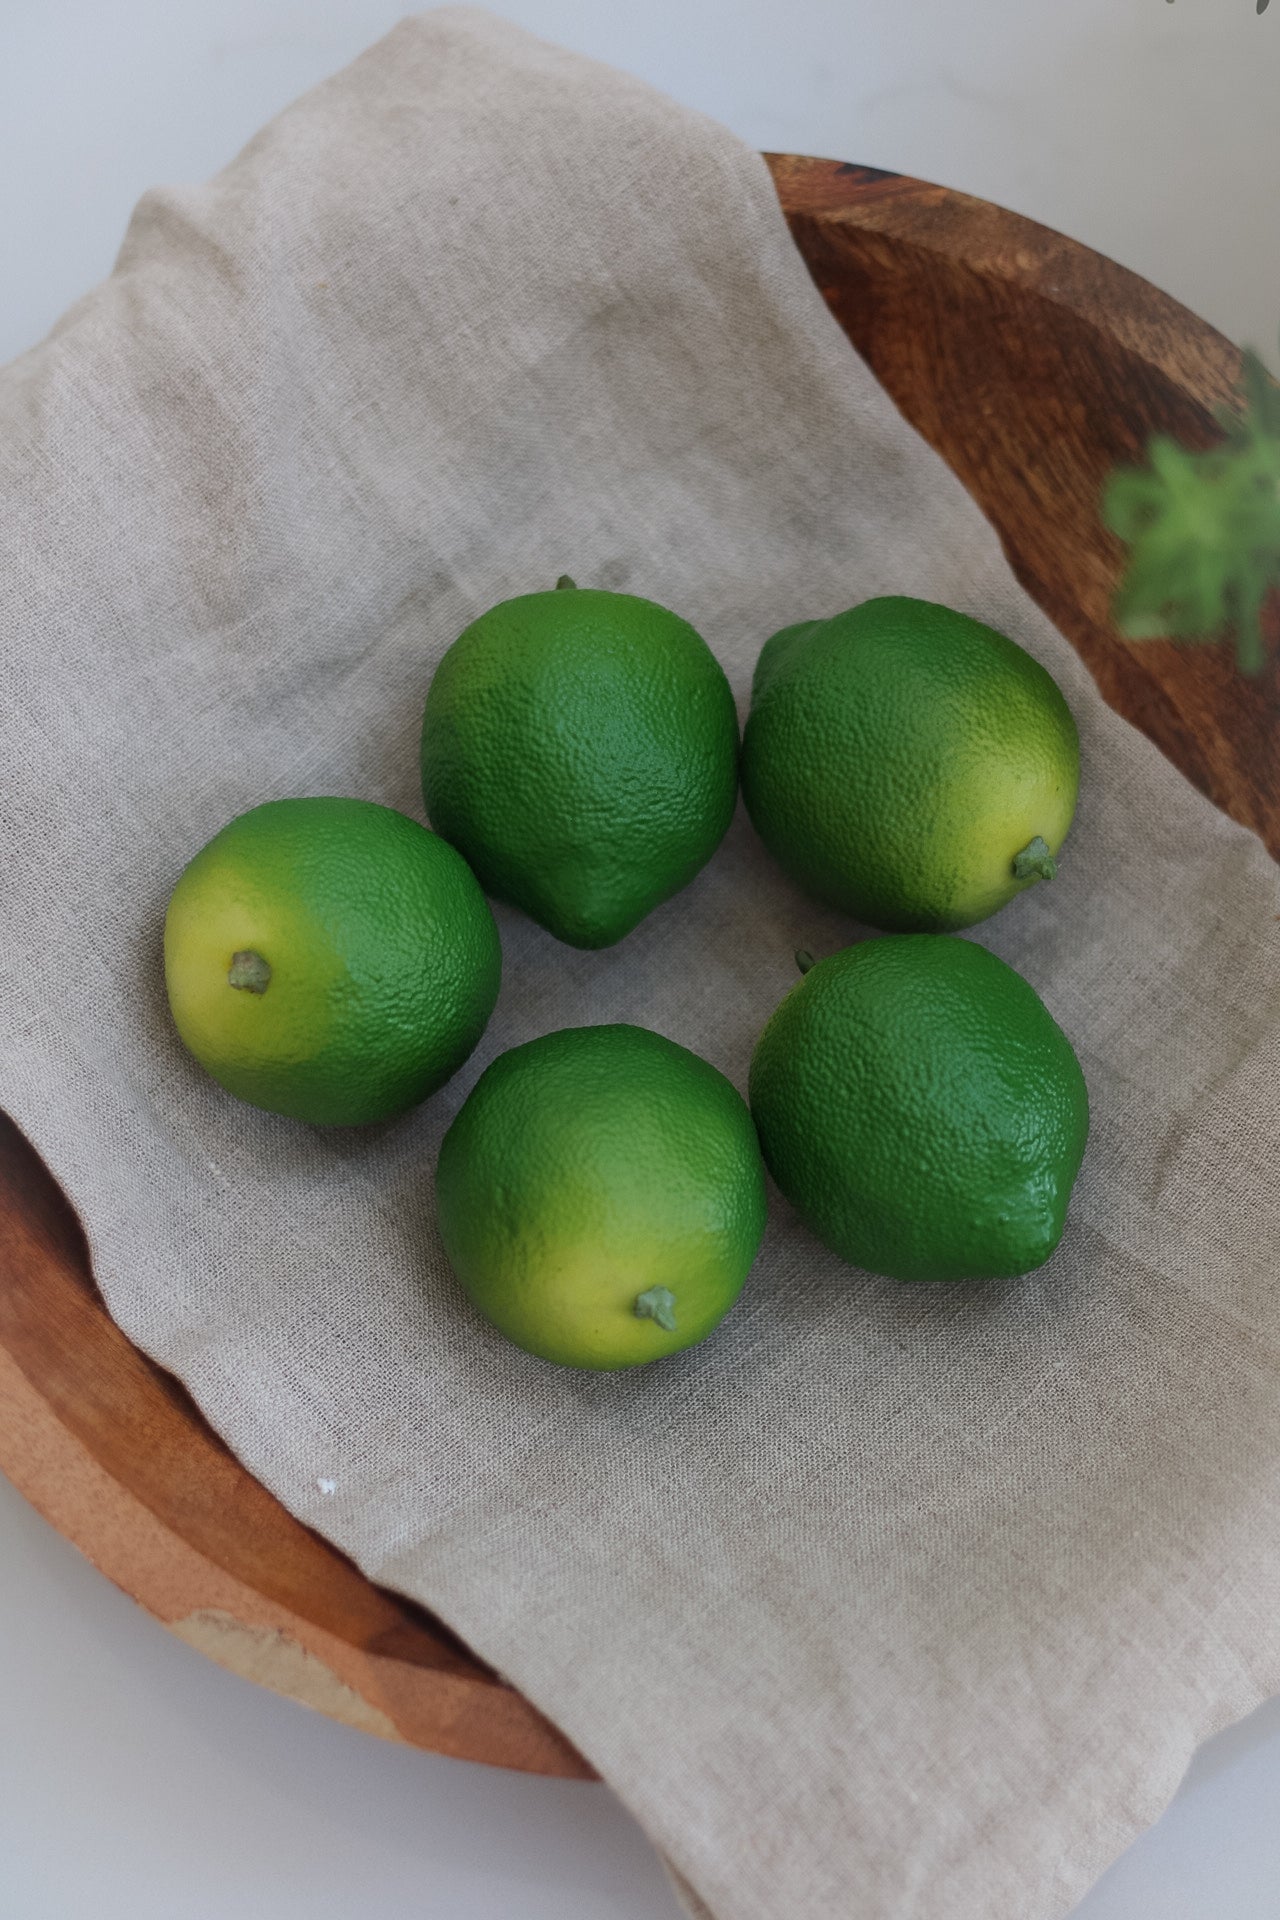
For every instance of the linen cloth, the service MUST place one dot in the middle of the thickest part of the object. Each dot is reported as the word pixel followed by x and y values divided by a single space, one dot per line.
pixel 889 1600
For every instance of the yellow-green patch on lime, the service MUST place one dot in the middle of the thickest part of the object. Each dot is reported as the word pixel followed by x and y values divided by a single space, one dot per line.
pixel 330 959
pixel 909 764
pixel 601 1196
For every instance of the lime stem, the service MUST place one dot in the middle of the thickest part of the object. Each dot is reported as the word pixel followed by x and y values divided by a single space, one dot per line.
pixel 804 959
pixel 565 581
pixel 657 1303
pixel 249 971
pixel 1035 862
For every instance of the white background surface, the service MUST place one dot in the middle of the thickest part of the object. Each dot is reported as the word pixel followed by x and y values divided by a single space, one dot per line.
pixel 136 1780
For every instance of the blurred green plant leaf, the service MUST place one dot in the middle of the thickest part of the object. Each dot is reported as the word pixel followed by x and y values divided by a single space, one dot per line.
pixel 1203 529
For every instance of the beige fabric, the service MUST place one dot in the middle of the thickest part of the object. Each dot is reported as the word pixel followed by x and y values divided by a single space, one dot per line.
pixel 891 1602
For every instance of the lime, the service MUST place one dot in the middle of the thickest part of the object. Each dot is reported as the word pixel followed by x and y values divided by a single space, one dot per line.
pixel 330 959
pixel 908 764
pixel 581 749
pixel 921 1110
pixel 601 1196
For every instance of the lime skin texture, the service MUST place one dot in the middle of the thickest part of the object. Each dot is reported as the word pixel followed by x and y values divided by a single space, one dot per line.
pixel 601 1196
pixel 580 748
pixel 330 959
pixel 921 1109
pixel 909 765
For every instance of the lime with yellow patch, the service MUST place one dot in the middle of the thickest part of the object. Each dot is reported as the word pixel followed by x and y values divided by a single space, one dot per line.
pixel 909 764
pixel 601 1196
pixel 330 959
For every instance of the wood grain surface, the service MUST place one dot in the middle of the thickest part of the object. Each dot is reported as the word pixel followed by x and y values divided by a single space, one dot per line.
pixel 1033 366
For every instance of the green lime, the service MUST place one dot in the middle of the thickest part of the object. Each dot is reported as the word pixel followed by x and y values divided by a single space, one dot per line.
pixel 601 1196
pixel 330 959
pixel 921 1110
pixel 908 764
pixel 581 749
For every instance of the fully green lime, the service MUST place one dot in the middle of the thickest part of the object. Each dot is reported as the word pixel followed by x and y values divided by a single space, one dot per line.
pixel 921 1110
pixel 601 1196
pixel 330 959
pixel 909 764
pixel 581 749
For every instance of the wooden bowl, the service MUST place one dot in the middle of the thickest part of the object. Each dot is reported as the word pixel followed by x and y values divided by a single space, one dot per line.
pixel 1033 366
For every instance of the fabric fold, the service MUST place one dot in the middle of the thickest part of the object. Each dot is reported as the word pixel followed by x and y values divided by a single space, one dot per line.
pixel 905 1600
